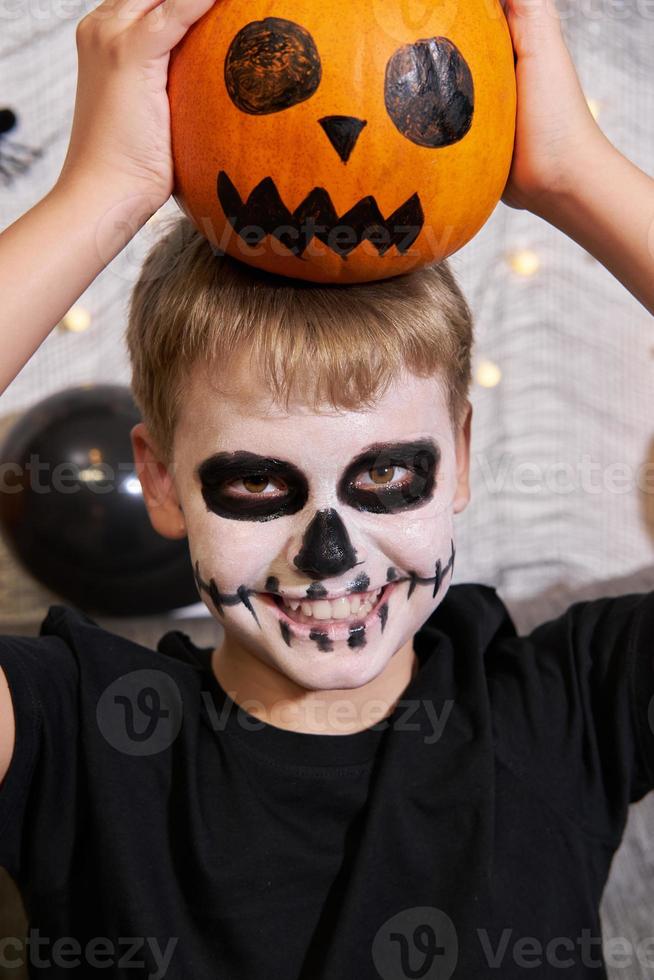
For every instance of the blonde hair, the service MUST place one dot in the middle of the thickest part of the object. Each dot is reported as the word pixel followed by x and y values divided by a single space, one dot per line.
pixel 191 304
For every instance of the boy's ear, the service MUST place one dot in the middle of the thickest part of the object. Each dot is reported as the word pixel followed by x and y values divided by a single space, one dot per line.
pixel 159 491
pixel 462 496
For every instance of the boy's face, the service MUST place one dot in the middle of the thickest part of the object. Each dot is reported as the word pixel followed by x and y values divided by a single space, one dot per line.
pixel 301 506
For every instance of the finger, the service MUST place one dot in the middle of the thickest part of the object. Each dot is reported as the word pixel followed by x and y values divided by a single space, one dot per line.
pixel 165 26
pixel 120 13
pixel 541 12
pixel 133 10
pixel 534 26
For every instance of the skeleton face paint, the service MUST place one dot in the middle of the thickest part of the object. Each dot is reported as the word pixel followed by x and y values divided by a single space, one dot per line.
pixel 320 541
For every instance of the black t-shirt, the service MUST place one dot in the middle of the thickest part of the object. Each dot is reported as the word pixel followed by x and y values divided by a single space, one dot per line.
pixel 156 829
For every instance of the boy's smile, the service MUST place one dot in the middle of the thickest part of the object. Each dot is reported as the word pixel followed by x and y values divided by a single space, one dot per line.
pixel 321 539
pixel 322 616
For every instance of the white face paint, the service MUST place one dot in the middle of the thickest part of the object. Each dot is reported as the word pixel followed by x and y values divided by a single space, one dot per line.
pixel 309 512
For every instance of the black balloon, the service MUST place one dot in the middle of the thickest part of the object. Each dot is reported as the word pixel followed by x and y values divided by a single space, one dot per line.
pixel 72 511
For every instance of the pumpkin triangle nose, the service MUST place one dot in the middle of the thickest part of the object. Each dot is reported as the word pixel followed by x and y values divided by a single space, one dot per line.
pixel 342 132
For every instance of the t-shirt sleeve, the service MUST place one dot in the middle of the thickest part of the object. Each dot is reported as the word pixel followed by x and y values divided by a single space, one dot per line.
pixel 43 679
pixel 573 708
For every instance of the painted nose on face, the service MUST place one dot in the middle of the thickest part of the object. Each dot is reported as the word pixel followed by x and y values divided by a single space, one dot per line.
pixel 343 133
pixel 326 546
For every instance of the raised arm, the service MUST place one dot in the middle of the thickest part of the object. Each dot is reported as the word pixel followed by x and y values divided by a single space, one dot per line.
pixel 564 169
pixel 117 172
pixel 49 256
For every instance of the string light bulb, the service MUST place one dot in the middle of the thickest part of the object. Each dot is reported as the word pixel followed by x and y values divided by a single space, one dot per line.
pixel 76 320
pixel 594 107
pixel 488 374
pixel 524 261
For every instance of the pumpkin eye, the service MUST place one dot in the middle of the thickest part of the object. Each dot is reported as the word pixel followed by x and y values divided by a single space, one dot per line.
pixel 271 65
pixel 429 93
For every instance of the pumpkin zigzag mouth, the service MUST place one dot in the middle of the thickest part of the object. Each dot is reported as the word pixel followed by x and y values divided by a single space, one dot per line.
pixel 264 213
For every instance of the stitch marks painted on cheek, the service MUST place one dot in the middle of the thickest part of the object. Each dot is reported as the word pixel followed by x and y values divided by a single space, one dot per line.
pixel 223 599
pixel 437 578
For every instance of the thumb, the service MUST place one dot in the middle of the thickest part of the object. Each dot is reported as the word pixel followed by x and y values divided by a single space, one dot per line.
pixel 532 23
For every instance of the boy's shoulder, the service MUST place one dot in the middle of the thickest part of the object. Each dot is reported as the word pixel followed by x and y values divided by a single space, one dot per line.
pixel 476 611
pixel 72 642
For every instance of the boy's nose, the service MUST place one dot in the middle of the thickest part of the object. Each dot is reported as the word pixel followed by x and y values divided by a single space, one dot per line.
pixel 326 546
pixel 342 132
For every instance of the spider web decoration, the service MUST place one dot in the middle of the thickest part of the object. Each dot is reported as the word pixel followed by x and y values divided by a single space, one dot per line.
pixel 15 158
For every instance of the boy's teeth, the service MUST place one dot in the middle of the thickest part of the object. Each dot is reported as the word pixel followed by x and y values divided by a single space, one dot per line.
pixel 341 608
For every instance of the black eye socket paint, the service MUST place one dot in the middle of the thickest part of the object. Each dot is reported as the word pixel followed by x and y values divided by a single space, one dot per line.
pixel 219 471
pixel 420 457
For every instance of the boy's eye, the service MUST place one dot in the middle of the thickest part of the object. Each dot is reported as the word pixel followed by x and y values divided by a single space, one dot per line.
pixel 254 485
pixel 382 476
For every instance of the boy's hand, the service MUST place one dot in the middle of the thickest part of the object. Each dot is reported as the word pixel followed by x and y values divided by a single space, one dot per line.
pixel 118 171
pixel 120 142
pixel 555 129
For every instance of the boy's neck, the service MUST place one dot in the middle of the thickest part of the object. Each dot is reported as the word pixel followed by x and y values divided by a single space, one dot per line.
pixel 277 700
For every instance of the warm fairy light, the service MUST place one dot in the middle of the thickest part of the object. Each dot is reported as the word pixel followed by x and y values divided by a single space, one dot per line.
pixel 76 320
pixel 488 374
pixel 95 456
pixel 594 107
pixel 524 262
pixel 91 474
pixel 132 485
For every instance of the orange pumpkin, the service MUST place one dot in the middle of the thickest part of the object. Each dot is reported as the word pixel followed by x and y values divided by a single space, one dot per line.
pixel 342 142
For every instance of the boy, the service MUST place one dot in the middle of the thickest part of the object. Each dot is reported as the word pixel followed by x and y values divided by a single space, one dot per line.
pixel 372 776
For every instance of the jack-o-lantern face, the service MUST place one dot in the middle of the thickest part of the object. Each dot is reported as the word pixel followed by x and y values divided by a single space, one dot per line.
pixel 327 143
